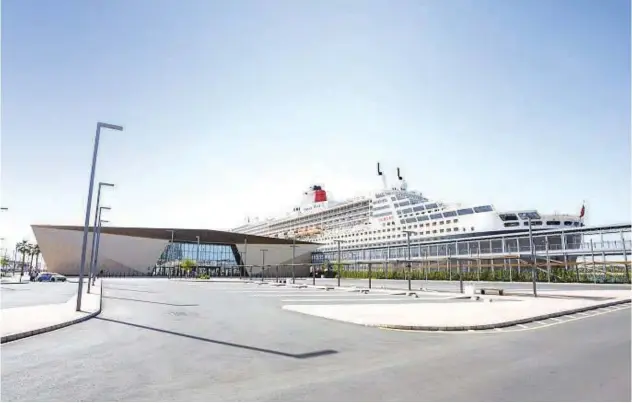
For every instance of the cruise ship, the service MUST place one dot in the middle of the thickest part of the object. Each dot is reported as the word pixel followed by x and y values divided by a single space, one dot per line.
pixel 383 217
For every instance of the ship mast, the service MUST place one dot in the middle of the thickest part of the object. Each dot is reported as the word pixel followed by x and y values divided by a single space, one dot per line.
pixel 402 183
pixel 380 173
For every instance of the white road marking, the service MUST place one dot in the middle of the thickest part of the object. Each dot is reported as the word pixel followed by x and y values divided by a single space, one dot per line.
pixel 300 295
pixel 523 326
pixel 349 299
pixel 275 291
pixel 570 316
pixel 555 319
pixel 543 325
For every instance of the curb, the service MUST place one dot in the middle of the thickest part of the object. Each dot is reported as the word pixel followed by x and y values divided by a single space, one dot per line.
pixel 502 324
pixel 29 333
pixel 209 281
pixel 365 290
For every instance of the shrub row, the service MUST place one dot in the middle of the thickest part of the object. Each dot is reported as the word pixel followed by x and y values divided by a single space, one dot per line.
pixel 557 275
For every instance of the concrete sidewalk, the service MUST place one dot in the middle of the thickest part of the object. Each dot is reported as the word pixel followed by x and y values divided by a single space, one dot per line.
pixel 15 279
pixel 17 323
pixel 468 314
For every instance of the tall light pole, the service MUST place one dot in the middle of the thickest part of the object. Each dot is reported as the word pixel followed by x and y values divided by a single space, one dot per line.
pixel 170 249
pixel 94 230
pixel 263 261
pixel 86 224
pixel 97 235
pixel 408 263
pixel 293 246
pixel 339 241
pixel 96 252
pixel 4 209
pixel 534 272
pixel 197 257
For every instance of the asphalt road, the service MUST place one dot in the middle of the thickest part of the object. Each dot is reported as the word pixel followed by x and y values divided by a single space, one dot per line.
pixel 27 294
pixel 169 341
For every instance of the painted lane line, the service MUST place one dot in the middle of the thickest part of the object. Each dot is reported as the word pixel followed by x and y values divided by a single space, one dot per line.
pixel 488 332
pixel 570 316
pixel 523 326
pixel 299 295
pixel 498 329
pixel 348 299
pixel 555 319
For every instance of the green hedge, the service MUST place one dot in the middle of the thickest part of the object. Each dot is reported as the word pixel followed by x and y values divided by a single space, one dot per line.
pixel 557 275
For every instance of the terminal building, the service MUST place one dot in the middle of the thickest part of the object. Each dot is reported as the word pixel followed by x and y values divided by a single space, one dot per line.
pixel 140 251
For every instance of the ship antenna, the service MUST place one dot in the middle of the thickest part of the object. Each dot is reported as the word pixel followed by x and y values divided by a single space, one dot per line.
pixel 380 173
pixel 402 182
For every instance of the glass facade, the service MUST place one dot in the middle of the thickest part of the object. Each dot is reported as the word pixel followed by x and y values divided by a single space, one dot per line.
pixel 207 258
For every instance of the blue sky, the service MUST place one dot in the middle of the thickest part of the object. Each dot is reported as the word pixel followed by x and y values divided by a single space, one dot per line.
pixel 233 108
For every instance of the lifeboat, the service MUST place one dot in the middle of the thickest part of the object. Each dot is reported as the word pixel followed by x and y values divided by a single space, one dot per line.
pixel 314 231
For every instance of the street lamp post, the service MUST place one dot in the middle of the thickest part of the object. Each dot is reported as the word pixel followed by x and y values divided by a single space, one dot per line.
pixel 5 251
pixel 170 250
pixel 243 259
pixel 408 263
pixel 94 231
pixel 339 241
pixel 532 252
pixel 263 262
pixel 82 265
pixel 197 257
pixel 97 235
pixel 293 246
pixel 96 252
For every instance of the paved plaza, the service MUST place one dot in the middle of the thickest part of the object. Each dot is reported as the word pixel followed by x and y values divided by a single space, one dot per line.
pixel 176 340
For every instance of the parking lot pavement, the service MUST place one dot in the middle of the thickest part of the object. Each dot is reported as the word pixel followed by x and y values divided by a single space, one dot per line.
pixel 20 295
pixel 171 341
pixel 283 295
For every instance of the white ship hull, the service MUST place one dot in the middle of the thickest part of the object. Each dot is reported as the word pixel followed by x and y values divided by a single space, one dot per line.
pixel 381 219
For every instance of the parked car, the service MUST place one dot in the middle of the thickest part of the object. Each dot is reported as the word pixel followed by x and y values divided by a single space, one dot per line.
pixel 50 277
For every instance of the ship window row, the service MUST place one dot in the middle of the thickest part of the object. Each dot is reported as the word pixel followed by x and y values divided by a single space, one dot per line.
pixel 554 222
pixel 396 232
pixel 446 214
pixel 383 239
pixel 317 219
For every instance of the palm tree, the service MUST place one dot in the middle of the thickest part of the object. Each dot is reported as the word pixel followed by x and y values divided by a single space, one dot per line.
pixel 32 255
pixel 24 248
pixel 37 252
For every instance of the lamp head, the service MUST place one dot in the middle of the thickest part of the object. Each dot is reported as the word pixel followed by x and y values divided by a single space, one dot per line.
pixel 110 126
